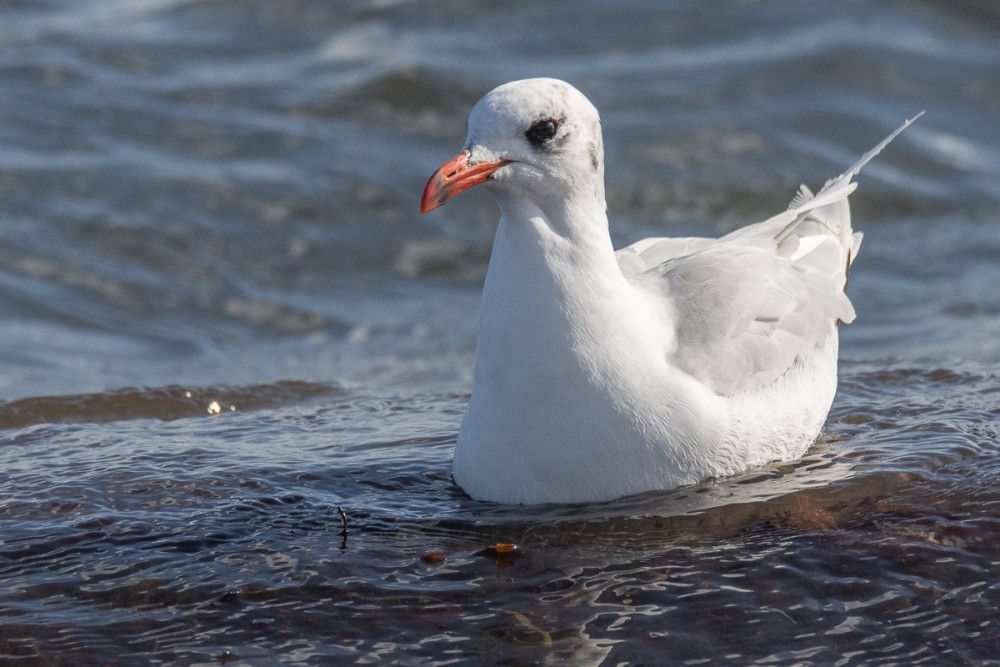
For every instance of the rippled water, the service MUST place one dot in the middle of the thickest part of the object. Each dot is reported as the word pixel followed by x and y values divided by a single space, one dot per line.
pixel 235 358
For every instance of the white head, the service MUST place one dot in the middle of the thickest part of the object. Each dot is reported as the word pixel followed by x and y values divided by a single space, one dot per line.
pixel 536 139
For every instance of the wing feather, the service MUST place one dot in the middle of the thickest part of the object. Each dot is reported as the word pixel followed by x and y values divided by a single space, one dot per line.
pixel 748 306
pixel 745 314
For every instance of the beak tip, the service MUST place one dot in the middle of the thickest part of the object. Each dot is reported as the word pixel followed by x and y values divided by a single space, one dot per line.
pixel 431 198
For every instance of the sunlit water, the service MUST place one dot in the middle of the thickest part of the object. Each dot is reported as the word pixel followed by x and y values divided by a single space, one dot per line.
pixel 216 202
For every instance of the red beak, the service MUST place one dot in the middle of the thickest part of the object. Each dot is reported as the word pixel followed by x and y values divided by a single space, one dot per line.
pixel 455 176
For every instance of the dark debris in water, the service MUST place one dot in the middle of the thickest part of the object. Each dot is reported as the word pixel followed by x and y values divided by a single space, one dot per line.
pixel 503 554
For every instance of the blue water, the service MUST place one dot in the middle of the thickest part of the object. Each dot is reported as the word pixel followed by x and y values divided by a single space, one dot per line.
pixel 226 331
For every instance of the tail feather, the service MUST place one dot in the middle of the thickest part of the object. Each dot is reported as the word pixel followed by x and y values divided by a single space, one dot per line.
pixel 866 158
pixel 835 191
pixel 816 230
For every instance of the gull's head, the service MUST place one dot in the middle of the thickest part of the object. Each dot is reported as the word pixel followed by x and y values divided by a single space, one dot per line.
pixel 536 139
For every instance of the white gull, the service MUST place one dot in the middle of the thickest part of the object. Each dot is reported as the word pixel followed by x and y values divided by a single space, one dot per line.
pixel 601 374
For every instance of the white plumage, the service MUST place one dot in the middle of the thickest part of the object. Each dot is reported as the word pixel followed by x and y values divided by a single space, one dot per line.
pixel 603 374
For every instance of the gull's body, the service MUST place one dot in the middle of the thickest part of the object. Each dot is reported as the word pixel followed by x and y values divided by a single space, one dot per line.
pixel 603 374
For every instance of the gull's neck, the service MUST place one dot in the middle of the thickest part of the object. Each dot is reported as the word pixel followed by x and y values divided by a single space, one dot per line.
pixel 565 233
pixel 553 292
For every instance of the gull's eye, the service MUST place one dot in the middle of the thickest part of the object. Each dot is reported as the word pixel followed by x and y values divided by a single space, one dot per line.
pixel 542 132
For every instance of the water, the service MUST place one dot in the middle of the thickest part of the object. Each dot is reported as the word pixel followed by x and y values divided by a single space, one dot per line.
pixel 226 331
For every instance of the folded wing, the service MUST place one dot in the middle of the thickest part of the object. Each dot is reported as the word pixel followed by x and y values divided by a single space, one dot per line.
pixel 746 307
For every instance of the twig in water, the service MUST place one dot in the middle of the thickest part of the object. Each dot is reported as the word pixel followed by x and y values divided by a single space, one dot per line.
pixel 343 523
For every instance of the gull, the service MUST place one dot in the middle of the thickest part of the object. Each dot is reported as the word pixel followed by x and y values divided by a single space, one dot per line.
pixel 602 374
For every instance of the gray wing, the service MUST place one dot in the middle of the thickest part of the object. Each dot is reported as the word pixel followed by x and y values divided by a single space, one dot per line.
pixel 744 314
pixel 747 306
pixel 647 253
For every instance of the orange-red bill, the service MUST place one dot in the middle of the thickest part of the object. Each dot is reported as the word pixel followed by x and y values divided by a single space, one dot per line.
pixel 455 176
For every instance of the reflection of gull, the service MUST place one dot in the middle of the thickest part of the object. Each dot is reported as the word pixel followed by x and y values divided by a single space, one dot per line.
pixel 602 374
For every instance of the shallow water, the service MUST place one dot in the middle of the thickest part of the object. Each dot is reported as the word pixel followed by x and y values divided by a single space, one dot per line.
pixel 227 332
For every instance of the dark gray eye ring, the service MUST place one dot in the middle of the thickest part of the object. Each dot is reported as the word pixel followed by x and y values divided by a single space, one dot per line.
pixel 542 131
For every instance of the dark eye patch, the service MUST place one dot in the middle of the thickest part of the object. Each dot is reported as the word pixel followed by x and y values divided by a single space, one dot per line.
pixel 542 131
